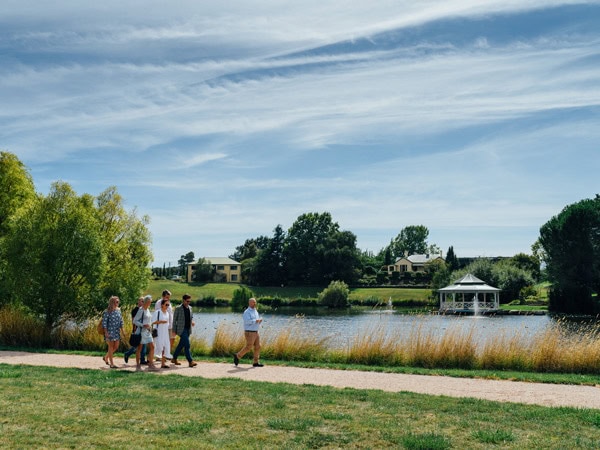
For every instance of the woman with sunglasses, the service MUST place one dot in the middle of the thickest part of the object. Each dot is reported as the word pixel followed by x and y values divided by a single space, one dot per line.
pixel 162 342
pixel 112 323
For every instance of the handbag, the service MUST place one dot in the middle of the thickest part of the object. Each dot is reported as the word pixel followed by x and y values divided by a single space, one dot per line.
pixel 135 339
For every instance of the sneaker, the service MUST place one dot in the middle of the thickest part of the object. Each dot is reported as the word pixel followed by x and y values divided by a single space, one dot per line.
pixel 174 361
pixel 193 364
pixel 236 360
pixel 258 365
pixel 145 363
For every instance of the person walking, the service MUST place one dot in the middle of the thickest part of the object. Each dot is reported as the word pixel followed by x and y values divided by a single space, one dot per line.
pixel 143 322
pixel 252 322
pixel 182 327
pixel 112 324
pixel 162 342
pixel 166 297
pixel 132 349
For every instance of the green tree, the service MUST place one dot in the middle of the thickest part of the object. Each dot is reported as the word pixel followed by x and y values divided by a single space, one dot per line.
pixel 571 248
pixel 56 256
pixel 452 260
pixel 204 271
pixel 66 254
pixel 183 262
pixel 16 188
pixel 269 264
pixel 126 248
pixel 240 297
pixel 16 192
pixel 250 248
pixel 316 251
pixel 335 295
pixel 528 263
pixel 412 240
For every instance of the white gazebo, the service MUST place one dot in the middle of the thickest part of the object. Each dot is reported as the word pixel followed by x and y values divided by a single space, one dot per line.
pixel 469 295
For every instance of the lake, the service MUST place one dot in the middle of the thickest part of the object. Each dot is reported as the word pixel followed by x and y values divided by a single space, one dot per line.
pixel 342 327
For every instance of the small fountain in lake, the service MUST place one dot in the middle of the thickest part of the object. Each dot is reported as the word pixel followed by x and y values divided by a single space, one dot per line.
pixel 476 312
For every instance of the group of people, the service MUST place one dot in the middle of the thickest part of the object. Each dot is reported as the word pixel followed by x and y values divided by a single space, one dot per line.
pixel 157 331
pixel 159 328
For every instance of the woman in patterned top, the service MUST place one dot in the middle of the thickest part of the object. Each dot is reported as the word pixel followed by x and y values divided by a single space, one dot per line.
pixel 112 323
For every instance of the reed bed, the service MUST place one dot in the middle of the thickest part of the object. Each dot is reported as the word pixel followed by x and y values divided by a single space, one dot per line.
pixel 293 344
pixel 506 352
pixel 228 340
pixel 455 348
pixel 375 347
pixel 553 350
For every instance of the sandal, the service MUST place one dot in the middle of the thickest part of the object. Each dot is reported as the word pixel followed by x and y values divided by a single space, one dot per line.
pixel 114 367
pixel 105 361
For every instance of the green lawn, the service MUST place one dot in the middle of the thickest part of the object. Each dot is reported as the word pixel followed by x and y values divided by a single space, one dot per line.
pixel 225 291
pixel 71 408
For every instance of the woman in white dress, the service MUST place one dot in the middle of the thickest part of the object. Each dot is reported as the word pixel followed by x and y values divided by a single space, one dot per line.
pixel 162 342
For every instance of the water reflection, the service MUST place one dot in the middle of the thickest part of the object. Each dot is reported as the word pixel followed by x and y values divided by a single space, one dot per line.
pixel 342 327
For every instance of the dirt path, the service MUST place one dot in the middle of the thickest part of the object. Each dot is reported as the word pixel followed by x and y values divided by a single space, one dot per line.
pixel 502 391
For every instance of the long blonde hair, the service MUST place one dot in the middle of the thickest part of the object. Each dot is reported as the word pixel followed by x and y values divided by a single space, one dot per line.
pixel 113 303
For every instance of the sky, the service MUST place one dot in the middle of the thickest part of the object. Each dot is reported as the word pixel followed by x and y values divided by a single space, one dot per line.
pixel 222 120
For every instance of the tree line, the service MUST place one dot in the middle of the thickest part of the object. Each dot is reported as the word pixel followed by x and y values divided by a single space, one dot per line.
pixel 63 254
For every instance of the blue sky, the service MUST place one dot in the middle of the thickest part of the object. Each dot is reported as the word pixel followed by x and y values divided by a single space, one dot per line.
pixel 477 119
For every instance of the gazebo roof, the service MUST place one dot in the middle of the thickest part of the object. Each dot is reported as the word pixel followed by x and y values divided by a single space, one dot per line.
pixel 469 283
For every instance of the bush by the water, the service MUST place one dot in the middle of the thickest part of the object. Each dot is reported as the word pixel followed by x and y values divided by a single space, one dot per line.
pixel 239 300
pixel 335 295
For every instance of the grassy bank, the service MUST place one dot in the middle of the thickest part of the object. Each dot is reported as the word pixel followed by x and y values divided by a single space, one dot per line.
pixel 225 291
pixel 67 408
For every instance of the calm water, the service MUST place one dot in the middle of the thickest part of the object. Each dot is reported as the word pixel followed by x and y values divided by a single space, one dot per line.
pixel 341 328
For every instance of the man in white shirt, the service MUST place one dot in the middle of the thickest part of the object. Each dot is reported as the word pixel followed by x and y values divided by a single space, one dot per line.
pixel 252 322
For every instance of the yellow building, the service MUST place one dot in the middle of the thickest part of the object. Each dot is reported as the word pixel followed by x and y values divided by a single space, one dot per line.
pixel 226 268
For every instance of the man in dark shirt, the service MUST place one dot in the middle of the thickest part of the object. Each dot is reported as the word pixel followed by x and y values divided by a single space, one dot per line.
pixel 182 327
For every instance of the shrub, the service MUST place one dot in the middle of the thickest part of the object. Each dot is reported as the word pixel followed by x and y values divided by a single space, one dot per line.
pixel 240 297
pixel 335 295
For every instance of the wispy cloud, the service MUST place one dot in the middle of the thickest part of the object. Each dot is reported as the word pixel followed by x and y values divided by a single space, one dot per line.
pixel 451 114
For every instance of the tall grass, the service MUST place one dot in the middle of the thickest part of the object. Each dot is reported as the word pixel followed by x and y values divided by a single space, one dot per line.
pixel 552 350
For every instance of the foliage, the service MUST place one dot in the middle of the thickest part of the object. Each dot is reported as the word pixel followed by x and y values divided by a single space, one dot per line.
pixel 412 240
pixel 571 249
pixel 249 249
pixel 183 262
pixel 203 271
pixel 317 252
pixel 335 295
pixel 530 263
pixel 503 274
pixel 240 298
pixel 55 257
pixel 16 188
pixel 268 268
pixel 63 255
pixel 452 260
pixel 126 249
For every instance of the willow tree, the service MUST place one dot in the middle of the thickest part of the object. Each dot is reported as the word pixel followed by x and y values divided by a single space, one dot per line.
pixel 66 254
pixel 16 191
pixel 126 247
pixel 55 257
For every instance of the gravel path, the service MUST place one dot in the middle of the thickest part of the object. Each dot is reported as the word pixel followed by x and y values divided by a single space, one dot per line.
pixel 502 391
